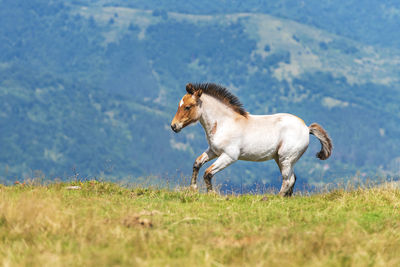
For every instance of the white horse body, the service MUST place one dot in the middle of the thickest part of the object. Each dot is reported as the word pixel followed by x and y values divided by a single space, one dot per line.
pixel 255 138
pixel 266 132
pixel 232 136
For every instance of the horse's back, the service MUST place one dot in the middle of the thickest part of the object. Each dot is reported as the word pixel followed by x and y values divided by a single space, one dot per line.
pixel 278 122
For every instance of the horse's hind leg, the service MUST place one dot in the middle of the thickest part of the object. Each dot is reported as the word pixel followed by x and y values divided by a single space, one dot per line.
pixel 200 161
pixel 292 182
pixel 288 177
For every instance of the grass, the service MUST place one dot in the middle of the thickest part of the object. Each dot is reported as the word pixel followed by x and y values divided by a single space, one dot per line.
pixel 105 224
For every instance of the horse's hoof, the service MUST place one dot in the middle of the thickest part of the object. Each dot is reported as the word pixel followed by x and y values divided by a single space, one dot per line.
pixel 284 194
pixel 212 192
pixel 193 187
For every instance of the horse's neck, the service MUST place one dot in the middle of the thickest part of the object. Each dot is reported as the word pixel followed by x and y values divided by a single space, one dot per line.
pixel 214 113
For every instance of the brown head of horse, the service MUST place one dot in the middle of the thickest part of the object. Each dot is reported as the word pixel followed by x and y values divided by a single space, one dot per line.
pixel 188 110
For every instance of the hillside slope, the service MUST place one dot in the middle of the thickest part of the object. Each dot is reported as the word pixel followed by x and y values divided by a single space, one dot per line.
pixel 90 89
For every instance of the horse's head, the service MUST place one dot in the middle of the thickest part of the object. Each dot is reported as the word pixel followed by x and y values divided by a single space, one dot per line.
pixel 188 109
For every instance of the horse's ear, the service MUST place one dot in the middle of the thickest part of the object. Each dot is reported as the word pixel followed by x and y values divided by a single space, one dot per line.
pixel 189 88
pixel 198 93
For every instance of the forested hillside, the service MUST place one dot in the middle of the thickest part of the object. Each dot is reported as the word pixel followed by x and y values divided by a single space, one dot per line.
pixel 88 88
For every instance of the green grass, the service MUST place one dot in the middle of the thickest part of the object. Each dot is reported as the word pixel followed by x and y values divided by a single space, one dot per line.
pixel 105 224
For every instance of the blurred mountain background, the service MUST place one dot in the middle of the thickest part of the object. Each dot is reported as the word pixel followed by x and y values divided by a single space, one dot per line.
pixel 89 88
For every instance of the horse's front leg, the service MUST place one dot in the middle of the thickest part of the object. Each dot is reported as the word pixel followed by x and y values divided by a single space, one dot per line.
pixel 222 162
pixel 200 161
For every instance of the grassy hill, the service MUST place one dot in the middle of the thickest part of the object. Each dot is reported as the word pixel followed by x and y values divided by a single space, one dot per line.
pixel 103 224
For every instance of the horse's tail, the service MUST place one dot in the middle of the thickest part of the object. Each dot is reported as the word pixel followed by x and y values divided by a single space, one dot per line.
pixel 323 137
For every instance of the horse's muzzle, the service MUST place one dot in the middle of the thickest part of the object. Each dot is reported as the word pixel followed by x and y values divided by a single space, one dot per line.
pixel 174 128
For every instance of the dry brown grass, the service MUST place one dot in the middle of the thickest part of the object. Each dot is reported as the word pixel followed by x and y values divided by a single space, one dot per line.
pixel 104 224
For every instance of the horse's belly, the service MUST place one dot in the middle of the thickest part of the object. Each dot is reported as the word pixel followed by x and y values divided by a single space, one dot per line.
pixel 256 157
pixel 258 152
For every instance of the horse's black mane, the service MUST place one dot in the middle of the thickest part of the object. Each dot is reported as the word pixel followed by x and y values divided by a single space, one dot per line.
pixel 222 94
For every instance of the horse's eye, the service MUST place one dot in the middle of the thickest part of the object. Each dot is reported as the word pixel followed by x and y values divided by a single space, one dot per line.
pixel 187 107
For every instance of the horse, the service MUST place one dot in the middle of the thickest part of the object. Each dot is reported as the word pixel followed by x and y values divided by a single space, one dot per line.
pixel 234 134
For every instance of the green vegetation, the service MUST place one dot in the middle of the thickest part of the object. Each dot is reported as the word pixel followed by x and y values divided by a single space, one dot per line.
pixel 371 22
pixel 103 224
